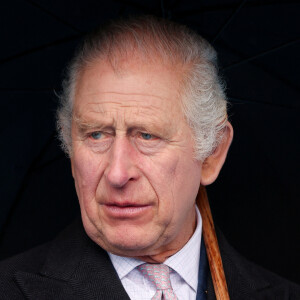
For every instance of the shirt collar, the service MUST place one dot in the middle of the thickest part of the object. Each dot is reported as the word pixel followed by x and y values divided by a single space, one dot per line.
pixel 185 262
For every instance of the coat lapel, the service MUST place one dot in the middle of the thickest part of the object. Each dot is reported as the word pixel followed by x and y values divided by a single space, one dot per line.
pixel 75 268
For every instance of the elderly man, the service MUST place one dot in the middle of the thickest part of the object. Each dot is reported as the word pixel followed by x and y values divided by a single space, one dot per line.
pixel 143 119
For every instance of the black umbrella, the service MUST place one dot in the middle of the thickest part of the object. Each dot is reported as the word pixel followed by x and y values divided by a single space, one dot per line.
pixel 255 199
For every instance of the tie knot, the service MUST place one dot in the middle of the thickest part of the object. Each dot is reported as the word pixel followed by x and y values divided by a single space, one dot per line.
pixel 159 274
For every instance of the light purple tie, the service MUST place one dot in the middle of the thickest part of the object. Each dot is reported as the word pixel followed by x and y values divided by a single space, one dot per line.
pixel 159 274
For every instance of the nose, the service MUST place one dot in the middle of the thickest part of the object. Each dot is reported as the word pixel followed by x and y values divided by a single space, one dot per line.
pixel 122 165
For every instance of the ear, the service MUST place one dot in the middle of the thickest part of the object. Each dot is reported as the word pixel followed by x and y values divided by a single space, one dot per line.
pixel 212 165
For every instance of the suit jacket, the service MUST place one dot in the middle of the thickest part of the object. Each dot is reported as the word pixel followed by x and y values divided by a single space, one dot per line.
pixel 74 267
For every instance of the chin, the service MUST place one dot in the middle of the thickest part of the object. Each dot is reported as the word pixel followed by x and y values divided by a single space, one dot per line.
pixel 129 245
pixel 125 240
pixel 126 244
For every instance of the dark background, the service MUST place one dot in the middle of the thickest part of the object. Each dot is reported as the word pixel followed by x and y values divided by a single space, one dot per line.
pixel 255 201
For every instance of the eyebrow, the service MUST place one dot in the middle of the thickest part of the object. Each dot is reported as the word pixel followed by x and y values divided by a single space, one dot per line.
pixel 84 126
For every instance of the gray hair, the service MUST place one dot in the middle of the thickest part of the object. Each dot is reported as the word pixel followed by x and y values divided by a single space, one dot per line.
pixel 152 39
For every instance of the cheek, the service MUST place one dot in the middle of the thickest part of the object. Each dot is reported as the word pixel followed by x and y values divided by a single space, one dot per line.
pixel 161 174
pixel 176 182
pixel 87 173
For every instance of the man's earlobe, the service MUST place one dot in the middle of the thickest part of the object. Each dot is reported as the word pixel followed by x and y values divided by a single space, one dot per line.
pixel 212 164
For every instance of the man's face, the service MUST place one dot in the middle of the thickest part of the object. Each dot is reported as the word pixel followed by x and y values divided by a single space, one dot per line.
pixel 132 160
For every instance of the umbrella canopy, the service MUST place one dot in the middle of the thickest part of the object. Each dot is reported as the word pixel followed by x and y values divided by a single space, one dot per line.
pixel 255 199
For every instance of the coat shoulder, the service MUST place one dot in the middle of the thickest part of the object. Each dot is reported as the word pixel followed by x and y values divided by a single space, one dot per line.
pixel 253 280
pixel 287 289
pixel 29 261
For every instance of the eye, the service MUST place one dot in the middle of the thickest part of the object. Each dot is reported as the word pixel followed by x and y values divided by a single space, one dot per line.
pixel 148 143
pixel 96 135
pixel 146 136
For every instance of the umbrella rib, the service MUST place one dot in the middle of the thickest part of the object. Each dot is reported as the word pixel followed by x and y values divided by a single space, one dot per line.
pixel 39 48
pixel 261 54
pixel 229 20
pixel 243 101
pixel 274 73
pixel 53 15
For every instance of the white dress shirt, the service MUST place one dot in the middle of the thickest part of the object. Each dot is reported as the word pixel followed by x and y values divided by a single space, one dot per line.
pixel 183 273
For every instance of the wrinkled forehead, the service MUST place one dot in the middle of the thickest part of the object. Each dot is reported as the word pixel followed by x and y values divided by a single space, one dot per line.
pixel 126 58
pixel 133 80
pixel 143 96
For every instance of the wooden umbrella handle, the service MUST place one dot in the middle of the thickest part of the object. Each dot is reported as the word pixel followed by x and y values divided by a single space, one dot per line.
pixel 212 247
